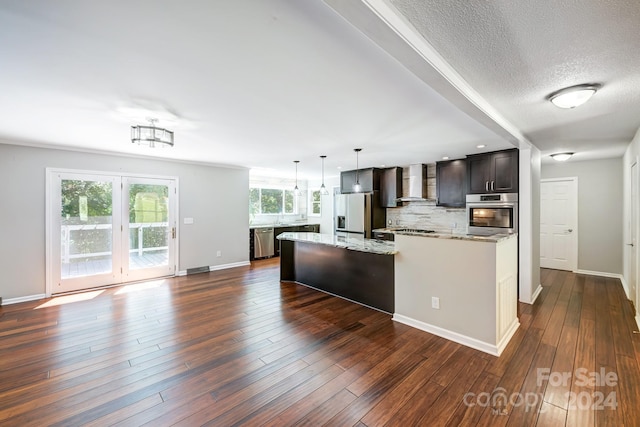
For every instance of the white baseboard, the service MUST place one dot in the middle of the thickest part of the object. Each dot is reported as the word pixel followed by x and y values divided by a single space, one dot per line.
pixel 23 299
pixel 534 297
pixel 502 344
pixel 599 273
pixel 230 265
pixel 492 349
pixel 219 267
pixel 625 286
pixel 536 294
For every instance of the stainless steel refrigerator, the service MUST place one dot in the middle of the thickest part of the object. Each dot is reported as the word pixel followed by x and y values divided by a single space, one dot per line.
pixel 358 213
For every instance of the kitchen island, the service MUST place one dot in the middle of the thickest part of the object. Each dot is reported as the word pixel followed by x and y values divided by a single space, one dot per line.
pixel 354 268
pixel 460 287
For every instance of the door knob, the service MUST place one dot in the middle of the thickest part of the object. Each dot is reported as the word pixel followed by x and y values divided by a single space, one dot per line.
pixel 630 244
pixel 570 230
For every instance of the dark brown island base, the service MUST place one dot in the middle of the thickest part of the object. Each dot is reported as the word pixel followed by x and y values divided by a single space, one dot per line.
pixel 354 268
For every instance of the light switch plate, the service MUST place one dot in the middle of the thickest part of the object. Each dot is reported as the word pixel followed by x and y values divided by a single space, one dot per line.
pixel 188 220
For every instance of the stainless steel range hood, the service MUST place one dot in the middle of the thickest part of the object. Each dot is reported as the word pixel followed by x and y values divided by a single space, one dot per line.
pixel 417 184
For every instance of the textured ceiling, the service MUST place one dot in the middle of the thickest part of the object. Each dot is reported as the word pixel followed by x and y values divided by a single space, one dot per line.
pixel 515 53
pixel 254 83
pixel 260 83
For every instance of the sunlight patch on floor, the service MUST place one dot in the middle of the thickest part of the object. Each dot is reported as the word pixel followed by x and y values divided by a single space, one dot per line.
pixel 67 299
pixel 140 286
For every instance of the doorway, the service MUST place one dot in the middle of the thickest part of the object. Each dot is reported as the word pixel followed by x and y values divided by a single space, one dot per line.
pixel 559 223
pixel 106 229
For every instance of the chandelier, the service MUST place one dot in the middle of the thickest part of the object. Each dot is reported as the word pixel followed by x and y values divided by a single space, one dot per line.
pixel 151 135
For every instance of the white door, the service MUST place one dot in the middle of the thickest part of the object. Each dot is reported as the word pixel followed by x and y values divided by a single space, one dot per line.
pixel 108 229
pixel 149 228
pixel 84 218
pixel 559 223
pixel 633 234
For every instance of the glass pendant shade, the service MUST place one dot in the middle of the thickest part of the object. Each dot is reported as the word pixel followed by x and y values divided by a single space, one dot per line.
pixel 296 190
pixel 323 189
pixel 357 188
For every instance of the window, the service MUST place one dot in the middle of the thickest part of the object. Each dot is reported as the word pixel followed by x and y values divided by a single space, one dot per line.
pixel 315 203
pixel 271 201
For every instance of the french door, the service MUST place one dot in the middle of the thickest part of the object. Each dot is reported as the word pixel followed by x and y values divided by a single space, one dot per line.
pixel 108 229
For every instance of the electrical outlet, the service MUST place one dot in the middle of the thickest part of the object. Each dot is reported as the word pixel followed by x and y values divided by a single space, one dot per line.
pixel 435 303
pixel 219 253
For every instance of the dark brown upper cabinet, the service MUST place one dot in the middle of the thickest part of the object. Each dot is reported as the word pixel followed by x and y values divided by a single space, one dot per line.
pixel 495 172
pixel 369 180
pixel 390 187
pixel 451 183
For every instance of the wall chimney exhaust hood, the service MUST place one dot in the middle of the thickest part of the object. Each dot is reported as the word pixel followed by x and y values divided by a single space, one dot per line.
pixel 417 184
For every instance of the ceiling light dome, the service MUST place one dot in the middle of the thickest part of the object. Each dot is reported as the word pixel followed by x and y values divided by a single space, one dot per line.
pixel 571 97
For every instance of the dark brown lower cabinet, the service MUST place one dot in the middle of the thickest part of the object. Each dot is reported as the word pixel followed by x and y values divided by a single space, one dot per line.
pixel 362 277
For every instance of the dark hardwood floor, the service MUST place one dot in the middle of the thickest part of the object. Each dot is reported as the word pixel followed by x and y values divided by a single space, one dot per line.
pixel 237 347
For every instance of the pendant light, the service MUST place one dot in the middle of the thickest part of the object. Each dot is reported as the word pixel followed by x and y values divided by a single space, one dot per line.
pixel 357 188
pixel 296 190
pixel 151 135
pixel 323 189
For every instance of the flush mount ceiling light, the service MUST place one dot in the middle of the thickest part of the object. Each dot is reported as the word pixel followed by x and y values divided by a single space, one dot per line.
pixel 151 135
pixel 296 190
pixel 323 189
pixel 561 157
pixel 357 188
pixel 571 97
pixel 481 145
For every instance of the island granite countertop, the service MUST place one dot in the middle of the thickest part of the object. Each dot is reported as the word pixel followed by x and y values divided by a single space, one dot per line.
pixel 354 243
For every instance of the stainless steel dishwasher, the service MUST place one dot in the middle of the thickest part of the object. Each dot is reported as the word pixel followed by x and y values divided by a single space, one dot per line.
pixel 263 243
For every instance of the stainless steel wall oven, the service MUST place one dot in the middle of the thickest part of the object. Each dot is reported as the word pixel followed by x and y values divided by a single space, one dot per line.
pixel 492 213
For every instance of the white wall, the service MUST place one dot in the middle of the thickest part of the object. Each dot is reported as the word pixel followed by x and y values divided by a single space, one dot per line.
pixel 217 198
pixel 529 225
pixel 600 201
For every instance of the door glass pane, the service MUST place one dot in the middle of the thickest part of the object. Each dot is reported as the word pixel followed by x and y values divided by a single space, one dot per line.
pixel 148 226
pixel 86 228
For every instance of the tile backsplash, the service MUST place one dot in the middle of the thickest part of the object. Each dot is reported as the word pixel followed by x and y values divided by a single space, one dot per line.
pixel 426 215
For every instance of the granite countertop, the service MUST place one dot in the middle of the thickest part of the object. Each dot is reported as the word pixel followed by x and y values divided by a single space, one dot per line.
pixel 493 238
pixel 291 224
pixel 354 243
